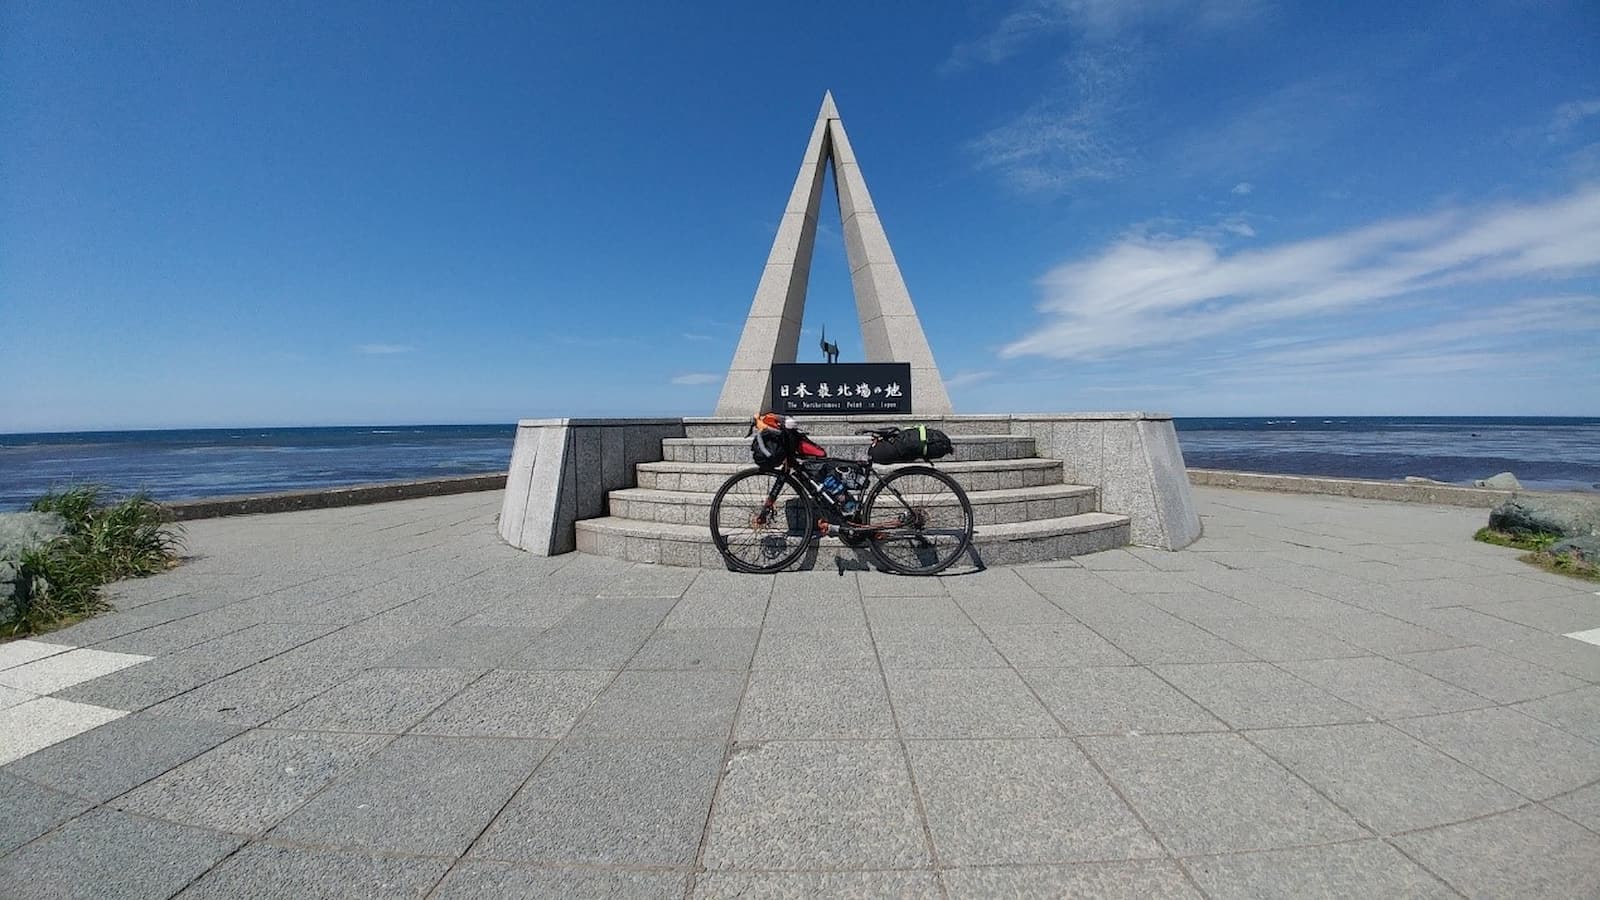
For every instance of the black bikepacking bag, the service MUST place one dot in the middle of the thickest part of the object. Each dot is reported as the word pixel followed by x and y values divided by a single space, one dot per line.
pixel 911 444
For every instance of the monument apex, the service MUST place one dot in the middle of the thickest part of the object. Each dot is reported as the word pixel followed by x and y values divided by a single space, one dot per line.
pixel 890 329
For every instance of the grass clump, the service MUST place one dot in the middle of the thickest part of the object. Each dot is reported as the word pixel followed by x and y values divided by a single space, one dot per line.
pixel 58 582
pixel 1538 544
pixel 1521 540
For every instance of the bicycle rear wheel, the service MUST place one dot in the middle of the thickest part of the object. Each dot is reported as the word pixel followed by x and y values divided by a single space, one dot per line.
pixel 920 521
pixel 762 521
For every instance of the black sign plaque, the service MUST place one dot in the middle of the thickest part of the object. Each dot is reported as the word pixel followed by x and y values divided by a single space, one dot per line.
pixel 841 389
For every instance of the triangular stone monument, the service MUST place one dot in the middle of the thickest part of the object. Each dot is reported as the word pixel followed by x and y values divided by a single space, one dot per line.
pixel 890 330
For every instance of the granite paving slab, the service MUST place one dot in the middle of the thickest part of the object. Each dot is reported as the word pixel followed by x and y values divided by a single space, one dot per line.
pixel 106 855
pixel 1384 687
pixel 935 647
pixel 478 880
pixel 570 809
pixel 1528 852
pixel 907 885
pixel 1357 869
pixel 816 805
pixel 517 704
pixel 120 755
pixel 697 648
pixel 1581 806
pixel 1387 780
pixel 266 872
pixel 665 704
pixel 1535 759
pixel 1135 880
pixel 1215 793
pixel 808 704
pixel 28 810
pixel 1258 695
pixel 1056 645
pixel 1028 801
pixel 248 784
pixel 387 701
pixel 836 648
pixel 1575 712
pixel 418 795
pixel 1118 700
pixel 964 703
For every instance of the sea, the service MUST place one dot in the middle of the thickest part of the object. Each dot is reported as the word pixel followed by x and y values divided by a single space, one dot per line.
pixel 1544 453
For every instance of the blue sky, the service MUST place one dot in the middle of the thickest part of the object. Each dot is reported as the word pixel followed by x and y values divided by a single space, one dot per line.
pixel 279 214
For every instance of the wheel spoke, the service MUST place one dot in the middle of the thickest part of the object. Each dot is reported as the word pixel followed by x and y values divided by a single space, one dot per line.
pixel 927 521
pixel 760 521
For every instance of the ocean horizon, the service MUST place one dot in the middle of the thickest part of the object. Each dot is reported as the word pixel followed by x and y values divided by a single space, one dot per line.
pixel 1545 453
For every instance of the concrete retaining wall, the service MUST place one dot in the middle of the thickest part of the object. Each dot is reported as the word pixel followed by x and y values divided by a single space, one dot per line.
pixel 1134 460
pixel 354 495
pixel 562 469
pixel 1402 491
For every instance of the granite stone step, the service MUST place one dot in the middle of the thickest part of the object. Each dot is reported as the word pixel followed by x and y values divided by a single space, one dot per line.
pixel 1008 544
pixel 968 447
pixel 988 507
pixel 976 475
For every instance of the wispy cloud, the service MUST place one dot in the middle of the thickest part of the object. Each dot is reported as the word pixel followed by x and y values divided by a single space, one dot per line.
pixel 1294 118
pixel 1092 21
pixel 691 336
pixel 965 378
pixel 1243 188
pixel 383 349
pixel 1568 116
pixel 1069 136
pixel 697 378
pixel 1146 292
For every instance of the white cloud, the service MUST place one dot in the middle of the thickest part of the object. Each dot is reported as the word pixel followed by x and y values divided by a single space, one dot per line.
pixel 1067 137
pixel 1243 188
pixel 965 378
pixel 383 349
pixel 1569 115
pixel 697 378
pixel 1093 21
pixel 1146 292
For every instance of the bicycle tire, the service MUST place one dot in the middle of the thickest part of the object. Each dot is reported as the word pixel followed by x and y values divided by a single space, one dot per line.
pixel 916 496
pixel 762 547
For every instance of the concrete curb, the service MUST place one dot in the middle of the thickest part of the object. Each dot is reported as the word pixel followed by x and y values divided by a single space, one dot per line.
pixel 1399 491
pixel 353 495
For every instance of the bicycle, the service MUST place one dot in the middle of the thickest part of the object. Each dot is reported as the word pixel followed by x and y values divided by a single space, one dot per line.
pixel 915 521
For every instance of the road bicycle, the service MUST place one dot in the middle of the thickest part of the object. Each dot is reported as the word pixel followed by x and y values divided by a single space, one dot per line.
pixel 915 520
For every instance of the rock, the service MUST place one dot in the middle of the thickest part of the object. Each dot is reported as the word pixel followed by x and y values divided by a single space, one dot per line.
pixel 1585 548
pixel 1564 515
pixel 18 533
pixel 1505 481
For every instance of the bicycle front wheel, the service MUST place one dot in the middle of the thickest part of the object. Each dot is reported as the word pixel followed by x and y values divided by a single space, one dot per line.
pixel 920 521
pixel 762 521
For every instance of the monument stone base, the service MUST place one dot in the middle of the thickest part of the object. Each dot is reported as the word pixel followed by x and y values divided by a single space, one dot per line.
pixel 1043 486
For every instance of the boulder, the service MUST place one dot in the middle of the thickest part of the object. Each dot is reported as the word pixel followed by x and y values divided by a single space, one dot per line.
pixel 1565 515
pixel 1505 481
pixel 1584 548
pixel 20 532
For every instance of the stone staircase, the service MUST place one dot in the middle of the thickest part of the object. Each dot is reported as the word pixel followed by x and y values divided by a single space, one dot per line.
pixel 1023 510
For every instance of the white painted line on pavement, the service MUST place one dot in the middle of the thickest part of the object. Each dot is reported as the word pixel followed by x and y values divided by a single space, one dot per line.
pixel 17 653
pixel 36 724
pixel 51 674
pixel 1591 636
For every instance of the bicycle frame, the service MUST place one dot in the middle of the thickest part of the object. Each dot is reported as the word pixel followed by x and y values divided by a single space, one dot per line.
pixel 821 499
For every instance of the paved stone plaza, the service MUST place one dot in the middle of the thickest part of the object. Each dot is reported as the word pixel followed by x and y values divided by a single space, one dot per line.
pixel 1322 697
